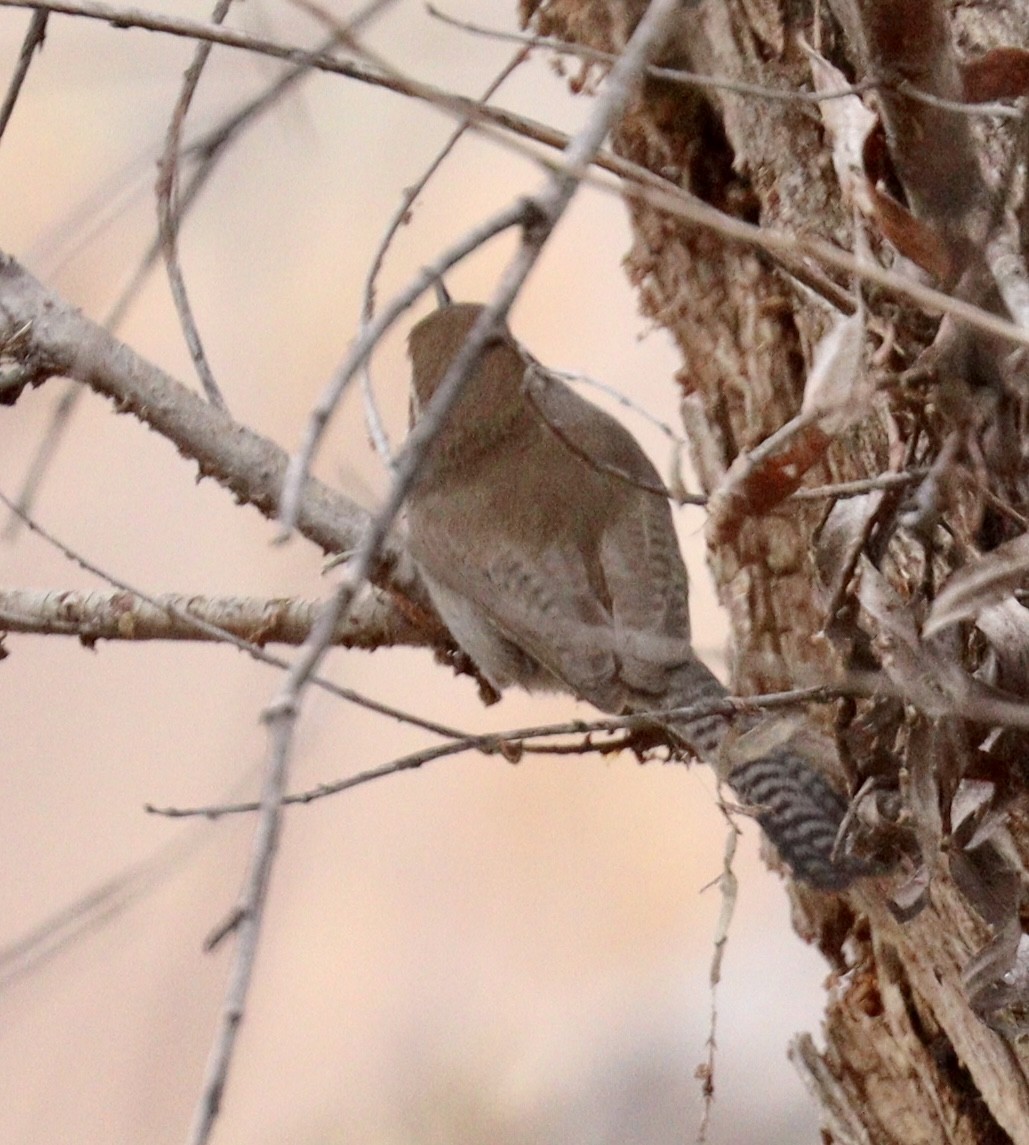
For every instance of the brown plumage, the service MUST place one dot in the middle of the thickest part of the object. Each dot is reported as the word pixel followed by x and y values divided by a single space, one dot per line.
pixel 540 530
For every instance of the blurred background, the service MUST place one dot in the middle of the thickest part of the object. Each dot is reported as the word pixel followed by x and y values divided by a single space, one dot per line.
pixel 475 952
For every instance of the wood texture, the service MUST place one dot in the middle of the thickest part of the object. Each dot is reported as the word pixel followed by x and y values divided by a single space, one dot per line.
pixel 907 1058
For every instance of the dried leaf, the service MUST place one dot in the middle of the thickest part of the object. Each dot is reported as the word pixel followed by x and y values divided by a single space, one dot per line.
pixel 841 536
pixel 761 478
pixel 914 238
pixel 970 807
pixel 848 123
pixel 838 393
pixel 1002 73
pixel 1006 627
pixel 929 675
pixel 979 585
pixel 839 389
pixel 911 897
pixel 922 679
pixel 984 867
pixel 997 978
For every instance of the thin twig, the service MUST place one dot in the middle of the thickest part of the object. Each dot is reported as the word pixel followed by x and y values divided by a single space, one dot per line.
pixel 622 399
pixel 728 885
pixel 282 714
pixel 400 217
pixel 714 83
pixel 344 34
pixel 60 419
pixel 672 75
pixel 168 215
pixel 862 485
pixel 246 924
pixel 103 902
pixel 210 631
pixel 490 743
pixel 991 110
pixel 207 151
pixel 34 37
pixel 300 463
pixel 779 243
pixel 509 742
pixel 657 487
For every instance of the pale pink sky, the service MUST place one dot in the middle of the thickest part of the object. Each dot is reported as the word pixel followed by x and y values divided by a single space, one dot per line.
pixel 474 953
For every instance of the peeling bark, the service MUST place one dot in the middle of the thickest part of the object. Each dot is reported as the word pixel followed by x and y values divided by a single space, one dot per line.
pixel 911 1055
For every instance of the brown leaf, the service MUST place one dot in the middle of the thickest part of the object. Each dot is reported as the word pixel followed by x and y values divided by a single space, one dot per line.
pixel 984 870
pixel 862 162
pixel 929 674
pixel 1006 627
pixel 997 977
pixel 837 394
pixel 763 477
pixel 848 123
pixel 839 389
pixel 980 584
pixel 840 539
pixel 1002 73
pixel 913 238
pixel 922 679
pixel 911 897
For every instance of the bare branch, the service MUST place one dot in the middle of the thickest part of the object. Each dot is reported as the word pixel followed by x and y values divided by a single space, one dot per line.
pixel 201 627
pixel 246 923
pixel 33 42
pixel 168 215
pixel 206 152
pixel 728 885
pixel 61 340
pixel 372 418
pixel 510 742
pixel 120 615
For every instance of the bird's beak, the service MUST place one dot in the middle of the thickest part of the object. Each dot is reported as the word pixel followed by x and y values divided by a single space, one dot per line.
pixel 442 294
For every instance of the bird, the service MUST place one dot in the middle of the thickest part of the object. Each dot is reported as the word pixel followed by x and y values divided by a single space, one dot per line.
pixel 545 540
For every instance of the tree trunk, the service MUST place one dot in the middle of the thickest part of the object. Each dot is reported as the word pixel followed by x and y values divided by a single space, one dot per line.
pixel 919 1045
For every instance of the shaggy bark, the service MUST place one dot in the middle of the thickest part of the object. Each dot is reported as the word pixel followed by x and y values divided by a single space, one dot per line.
pixel 928 996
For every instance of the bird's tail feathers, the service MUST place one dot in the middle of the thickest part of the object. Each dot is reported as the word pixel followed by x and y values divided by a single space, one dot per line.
pixel 801 812
pixel 796 806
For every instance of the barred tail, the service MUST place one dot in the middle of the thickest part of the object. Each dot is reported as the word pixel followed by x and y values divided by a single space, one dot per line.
pixel 798 809
pixel 801 812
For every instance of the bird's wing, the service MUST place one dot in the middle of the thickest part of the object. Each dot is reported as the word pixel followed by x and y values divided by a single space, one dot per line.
pixel 647 583
pixel 590 433
pixel 643 571
pixel 540 600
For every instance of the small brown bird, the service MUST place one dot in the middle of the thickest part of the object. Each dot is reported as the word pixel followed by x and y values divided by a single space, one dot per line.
pixel 546 543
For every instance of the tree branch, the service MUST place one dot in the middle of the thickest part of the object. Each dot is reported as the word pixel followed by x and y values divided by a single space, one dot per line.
pixel 118 615
pixel 59 340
